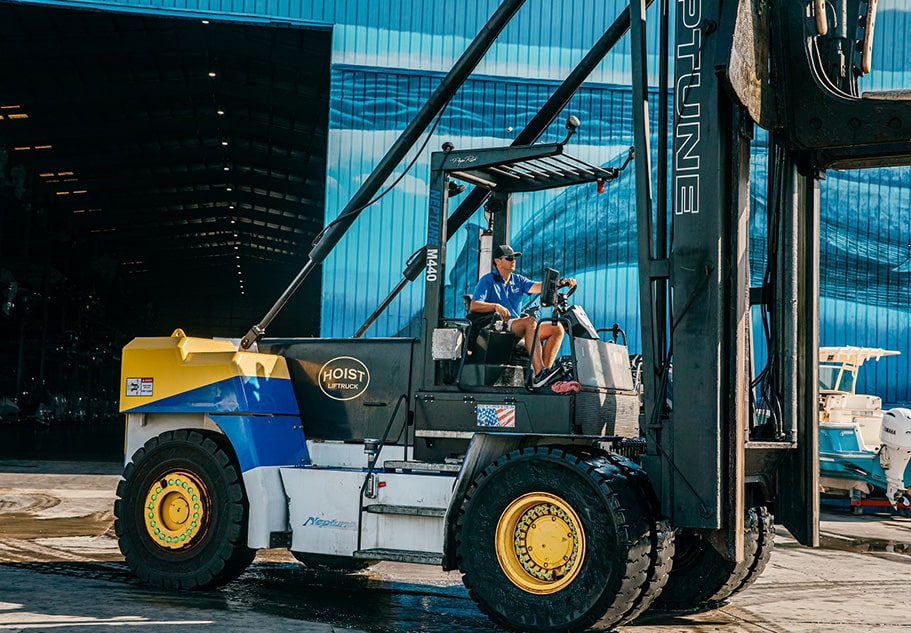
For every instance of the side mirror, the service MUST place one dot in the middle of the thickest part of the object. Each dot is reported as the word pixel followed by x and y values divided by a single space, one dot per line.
pixel 549 287
pixel 572 124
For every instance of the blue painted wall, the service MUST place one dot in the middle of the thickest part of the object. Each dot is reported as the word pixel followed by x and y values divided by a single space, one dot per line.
pixel 388 57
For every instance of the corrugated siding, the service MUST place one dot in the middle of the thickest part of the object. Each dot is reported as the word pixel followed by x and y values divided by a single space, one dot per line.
pixel 383 56
pixel 865 271
pixel 545 39
pixel 865 267
pixel 576 230
pixel 892 47
pixel 865 245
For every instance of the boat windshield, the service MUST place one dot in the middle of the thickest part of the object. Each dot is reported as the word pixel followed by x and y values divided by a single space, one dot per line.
pixel 838 378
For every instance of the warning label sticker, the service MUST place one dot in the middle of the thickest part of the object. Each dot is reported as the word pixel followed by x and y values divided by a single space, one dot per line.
pixel 139 386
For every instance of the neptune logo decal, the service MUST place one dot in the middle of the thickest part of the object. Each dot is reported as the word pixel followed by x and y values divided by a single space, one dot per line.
pixel 330 523
pixel 344 378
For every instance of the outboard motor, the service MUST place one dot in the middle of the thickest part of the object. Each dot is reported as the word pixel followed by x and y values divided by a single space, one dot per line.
pixel 895 453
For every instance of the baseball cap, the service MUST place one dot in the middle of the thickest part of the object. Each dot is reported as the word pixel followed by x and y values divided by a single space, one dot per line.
pixel 505 250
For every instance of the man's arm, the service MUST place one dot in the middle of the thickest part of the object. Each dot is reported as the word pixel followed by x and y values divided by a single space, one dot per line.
pixel 536 287
pixel 481 292
pixel 485 307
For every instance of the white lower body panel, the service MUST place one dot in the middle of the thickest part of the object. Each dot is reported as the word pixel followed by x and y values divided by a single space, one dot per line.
pixel 324 515
pixel 268 505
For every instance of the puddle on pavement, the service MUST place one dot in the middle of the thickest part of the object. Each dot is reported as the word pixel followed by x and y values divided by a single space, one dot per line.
pixel 359 601
pixel 291 591
pixel 353 600
pixel 273 586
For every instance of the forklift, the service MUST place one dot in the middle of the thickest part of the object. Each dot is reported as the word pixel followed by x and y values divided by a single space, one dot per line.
pixel 562 511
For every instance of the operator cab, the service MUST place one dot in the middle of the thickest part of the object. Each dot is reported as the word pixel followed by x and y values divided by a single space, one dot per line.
pixel 493 354
pixel 474 373
pixel 483 352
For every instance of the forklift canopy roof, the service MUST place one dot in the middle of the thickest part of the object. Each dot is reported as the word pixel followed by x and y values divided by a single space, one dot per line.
pixel 523 168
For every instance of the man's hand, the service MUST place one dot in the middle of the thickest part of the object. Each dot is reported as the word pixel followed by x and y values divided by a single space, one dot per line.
pixel 568 281
pixel 484 307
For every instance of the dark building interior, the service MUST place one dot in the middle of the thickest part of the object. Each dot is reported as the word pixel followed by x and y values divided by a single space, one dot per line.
pixel 155 173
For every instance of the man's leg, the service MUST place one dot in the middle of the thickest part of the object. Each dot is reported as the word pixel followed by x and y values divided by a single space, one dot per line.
pixel 552 335
pixel 524 328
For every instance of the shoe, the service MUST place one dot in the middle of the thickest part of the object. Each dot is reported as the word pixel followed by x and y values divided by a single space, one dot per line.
pixel 546 376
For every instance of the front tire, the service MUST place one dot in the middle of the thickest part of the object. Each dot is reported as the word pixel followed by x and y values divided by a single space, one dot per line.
pixel 553 539
pixel 181 512
pixel 702 579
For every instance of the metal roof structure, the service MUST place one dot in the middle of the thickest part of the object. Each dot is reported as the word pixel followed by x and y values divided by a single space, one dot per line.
pixel 175 167
pixel 524 168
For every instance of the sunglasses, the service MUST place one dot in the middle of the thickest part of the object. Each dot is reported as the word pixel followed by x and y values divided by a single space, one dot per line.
pixel 509 259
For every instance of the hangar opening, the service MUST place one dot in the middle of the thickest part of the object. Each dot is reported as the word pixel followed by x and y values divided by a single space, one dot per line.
pixel 156 171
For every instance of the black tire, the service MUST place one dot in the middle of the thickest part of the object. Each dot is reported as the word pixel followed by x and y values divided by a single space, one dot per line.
pixel 215 548
pixel 661 557
pixel 702 579
pixel 610 556
pixel 661 534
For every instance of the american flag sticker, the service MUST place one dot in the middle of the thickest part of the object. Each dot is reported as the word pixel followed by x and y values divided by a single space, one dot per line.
pixel 496 415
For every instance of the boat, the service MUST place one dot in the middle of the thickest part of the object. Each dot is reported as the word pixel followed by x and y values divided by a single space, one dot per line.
pixel 863 450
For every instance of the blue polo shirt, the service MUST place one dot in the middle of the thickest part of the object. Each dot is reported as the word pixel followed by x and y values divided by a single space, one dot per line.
pixel 493 289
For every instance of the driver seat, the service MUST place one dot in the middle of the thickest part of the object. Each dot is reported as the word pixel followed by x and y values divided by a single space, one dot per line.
pixel 492 357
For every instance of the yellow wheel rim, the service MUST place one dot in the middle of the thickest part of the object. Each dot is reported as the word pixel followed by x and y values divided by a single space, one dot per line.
pixel 540 543
pixel 175 512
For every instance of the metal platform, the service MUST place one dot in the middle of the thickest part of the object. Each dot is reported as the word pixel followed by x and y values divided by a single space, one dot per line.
pixel 523 168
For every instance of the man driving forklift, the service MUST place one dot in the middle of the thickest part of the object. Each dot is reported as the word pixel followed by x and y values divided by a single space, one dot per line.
pixel 501 291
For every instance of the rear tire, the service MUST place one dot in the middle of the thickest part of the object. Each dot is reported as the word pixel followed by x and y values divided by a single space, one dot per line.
pixel 558 540
pixel 702 579
pixel 181 512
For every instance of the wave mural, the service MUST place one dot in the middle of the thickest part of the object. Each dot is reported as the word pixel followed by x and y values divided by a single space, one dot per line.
pixel 865 229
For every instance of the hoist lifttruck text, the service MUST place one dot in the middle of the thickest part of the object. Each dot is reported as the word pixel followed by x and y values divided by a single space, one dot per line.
pixel 563 512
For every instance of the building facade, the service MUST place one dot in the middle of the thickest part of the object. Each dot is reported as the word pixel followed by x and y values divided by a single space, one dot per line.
pixel 388 56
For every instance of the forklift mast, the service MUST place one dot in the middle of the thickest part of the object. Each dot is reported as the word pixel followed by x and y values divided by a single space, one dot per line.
pixel 792 67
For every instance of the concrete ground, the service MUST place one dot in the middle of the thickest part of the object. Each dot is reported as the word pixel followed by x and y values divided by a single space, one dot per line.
pixel 60 569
